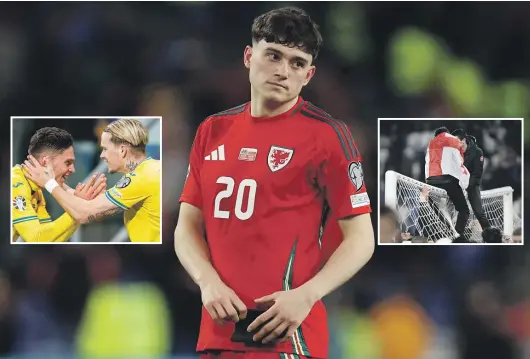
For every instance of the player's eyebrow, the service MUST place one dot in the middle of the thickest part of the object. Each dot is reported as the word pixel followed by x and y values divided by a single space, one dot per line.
pixel 295 58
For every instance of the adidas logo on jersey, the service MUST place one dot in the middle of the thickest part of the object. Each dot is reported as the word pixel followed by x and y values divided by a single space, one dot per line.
pixel 217 154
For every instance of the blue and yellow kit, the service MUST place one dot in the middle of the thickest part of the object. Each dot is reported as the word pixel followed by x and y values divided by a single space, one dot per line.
pixel 138 193
pixel 31 220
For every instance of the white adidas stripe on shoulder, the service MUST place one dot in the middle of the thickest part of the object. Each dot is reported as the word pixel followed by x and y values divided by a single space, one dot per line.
pixel 217 154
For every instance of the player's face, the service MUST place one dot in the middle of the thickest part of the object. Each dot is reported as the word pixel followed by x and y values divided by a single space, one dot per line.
pixel 464 144
pixel 278 72
pixel 111 153
pixel 62 164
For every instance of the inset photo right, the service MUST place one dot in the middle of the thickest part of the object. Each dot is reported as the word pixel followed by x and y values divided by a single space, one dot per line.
pixel 451 181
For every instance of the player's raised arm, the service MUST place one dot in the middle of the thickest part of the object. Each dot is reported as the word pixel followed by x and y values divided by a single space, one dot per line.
pixel 191 248
pixel 82 210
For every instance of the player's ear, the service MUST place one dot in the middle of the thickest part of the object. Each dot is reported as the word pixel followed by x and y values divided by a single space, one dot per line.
pixel 44 161
pixel 310 73
pixel 247 54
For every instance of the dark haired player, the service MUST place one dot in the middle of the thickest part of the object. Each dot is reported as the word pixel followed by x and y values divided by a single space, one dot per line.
pixel 262 177
pixel 474 162
pixel 54 147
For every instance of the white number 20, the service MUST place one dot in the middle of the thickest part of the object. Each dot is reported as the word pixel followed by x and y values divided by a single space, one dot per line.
pixel 238 210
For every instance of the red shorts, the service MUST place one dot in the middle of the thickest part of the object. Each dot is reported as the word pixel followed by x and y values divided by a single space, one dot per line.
pixel 249 355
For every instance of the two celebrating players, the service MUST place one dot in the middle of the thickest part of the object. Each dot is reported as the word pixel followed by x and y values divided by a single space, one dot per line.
pixel 51 160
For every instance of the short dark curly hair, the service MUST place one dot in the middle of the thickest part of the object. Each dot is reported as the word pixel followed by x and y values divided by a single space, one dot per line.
pixel 440 130
pixel 460 133
pixel 50 139
pixel 290 26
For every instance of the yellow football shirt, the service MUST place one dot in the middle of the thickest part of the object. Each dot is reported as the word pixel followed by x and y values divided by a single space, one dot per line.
pixel 31 220
pixel 138 193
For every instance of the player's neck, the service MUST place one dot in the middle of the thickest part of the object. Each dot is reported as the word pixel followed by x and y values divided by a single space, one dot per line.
pixel 259 107
pixel 32 184
pixel 132 161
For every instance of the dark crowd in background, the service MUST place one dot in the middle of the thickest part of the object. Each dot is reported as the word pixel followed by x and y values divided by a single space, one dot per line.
pixel 183 61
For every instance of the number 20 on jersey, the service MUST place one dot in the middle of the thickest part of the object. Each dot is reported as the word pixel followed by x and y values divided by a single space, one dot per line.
pixel 229 191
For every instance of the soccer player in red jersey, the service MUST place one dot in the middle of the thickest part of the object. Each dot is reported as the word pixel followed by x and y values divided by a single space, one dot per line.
pixel 262 176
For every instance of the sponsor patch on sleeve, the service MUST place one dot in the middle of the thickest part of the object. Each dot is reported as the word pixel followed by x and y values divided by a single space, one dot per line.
pixel 359 200
pixel 355 171
pixel 19 203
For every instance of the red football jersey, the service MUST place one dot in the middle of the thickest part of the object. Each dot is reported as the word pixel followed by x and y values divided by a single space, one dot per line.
pixel 331 238
pixel 263 185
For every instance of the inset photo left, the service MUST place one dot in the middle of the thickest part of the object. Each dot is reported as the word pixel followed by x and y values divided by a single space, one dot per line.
pixel 91 180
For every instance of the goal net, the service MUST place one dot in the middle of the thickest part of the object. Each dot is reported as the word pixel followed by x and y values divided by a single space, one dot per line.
pixel 426 211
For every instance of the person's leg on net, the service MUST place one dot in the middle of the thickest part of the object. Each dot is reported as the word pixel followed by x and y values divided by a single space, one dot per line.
pixel 435 221
pixel 456 194
pixel 473 194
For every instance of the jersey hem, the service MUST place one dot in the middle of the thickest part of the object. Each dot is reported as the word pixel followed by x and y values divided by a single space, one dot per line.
pixel 355 213
pixel 192 202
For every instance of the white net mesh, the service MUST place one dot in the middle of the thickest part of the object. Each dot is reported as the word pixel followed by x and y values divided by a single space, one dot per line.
pixel 426 211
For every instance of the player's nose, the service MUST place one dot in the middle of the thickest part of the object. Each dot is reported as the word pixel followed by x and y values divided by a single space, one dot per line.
pixel 283 69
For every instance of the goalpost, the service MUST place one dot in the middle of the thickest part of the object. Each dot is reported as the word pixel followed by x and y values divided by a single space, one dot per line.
pixel 426 211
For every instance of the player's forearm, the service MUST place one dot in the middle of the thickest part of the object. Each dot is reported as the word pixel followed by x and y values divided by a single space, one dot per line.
pixel 75 206
pixel 352 254
pixel 476 176
pixel 194 254
pixel 65 225
pixel 68 189
pixel 59 230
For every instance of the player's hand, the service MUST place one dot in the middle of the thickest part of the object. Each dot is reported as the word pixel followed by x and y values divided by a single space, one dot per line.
pixel 93 188
pixel 222 302
pixel 37 173
pixel 289 309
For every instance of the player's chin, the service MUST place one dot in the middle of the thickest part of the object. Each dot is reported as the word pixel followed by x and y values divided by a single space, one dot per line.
pixel 277 96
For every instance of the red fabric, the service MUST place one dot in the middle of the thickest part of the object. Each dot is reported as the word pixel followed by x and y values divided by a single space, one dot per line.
pixel 435 149
pixel 247 355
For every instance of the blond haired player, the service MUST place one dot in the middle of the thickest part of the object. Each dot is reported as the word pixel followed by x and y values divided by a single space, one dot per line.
pixel 137 192
pixel 53 147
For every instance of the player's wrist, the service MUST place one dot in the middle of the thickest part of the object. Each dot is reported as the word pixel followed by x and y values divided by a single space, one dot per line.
pixel 50 185
pixel 311 292
pixel 208 279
